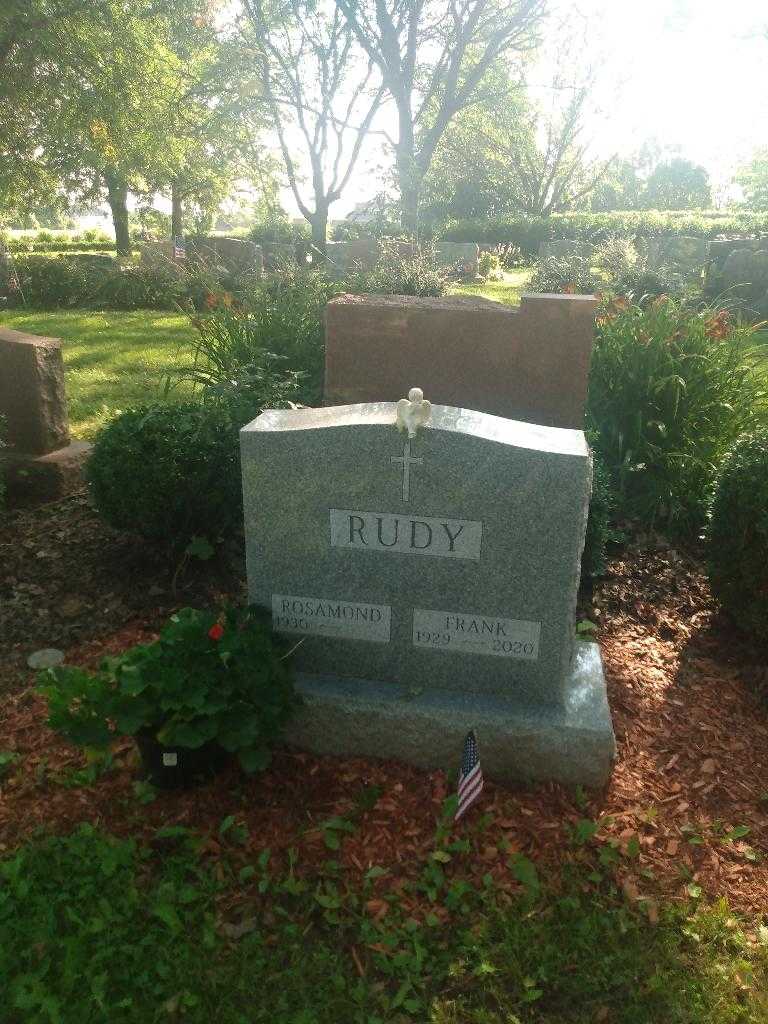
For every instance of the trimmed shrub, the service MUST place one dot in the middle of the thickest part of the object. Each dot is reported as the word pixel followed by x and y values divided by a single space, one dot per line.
pixel 599 530
pixel 529 232
pixel 52 282
pixel 141 287
pixel 670 390
pixel 88 280
pixel 279 229
pixel 737 534
pixel 168 473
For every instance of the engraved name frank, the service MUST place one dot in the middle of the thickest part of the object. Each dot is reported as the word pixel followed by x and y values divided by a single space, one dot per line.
pixel 405 534
pixel 476 634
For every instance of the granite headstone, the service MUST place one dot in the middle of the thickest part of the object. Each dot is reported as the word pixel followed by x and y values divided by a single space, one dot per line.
pixel 431 580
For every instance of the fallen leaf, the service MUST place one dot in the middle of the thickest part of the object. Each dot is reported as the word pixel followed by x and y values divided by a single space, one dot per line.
pixel 630 890
pixel 236 931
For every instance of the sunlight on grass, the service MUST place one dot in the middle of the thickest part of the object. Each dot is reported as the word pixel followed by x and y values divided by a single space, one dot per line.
pixel 113 359
pixel 507 291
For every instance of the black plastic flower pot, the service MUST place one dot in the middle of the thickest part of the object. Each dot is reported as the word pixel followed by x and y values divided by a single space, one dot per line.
pixel 179 767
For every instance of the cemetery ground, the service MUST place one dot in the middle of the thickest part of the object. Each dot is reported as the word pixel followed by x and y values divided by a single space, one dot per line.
pixel 339 889
pixel 334 890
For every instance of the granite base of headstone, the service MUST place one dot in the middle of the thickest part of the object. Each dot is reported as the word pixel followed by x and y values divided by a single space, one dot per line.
pixel 429 577
pixel 41 461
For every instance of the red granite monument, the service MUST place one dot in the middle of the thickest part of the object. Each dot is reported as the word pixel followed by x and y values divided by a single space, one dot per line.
pixel 524 363
pixel 41 460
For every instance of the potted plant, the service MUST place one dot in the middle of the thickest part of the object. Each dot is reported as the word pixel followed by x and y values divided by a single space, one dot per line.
pixel 212 686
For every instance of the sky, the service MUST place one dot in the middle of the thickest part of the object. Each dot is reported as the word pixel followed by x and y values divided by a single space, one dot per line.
pixel 691 74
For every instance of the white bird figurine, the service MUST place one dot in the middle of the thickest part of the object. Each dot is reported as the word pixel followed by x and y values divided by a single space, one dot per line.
pixel 413 412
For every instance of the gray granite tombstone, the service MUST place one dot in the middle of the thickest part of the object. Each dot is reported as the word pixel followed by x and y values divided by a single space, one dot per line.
pixel 431 581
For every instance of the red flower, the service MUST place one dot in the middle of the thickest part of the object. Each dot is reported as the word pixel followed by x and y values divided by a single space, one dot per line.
pixel 216 632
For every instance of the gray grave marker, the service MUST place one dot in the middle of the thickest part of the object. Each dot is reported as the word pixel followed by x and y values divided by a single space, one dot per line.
pixel 433 579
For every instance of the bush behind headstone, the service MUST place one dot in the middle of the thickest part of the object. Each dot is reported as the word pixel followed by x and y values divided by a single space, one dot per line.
pixel 737 535
pixel 600 531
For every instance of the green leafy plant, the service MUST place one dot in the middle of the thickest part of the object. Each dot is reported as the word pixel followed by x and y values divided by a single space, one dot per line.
pixel 78 280
pixel 49 282
pixel 614 267
pixel 209 678
pixel 266 346
pixel 399 271
pixel 572 274
pixel 8 758
pixel 232 369
pixel 737 534
pixel 489 265
pixel 169 473
pixel 94 927
pixel 670 389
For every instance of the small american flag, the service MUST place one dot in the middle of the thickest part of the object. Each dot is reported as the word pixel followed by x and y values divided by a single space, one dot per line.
pixel 179 248
pixel 470 776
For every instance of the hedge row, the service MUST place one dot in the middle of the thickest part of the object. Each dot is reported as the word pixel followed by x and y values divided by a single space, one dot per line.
pixel 23 245
pixel 92 281
pixel 529 232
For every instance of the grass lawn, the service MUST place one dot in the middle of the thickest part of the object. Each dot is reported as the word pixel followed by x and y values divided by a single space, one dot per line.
pixel 113 359
pixel 507 291
pixel 95 928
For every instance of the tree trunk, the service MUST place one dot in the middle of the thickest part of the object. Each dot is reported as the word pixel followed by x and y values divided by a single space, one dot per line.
pixel 409 210
pixel 177 221
pixel 319 223
pixel 117 196
pixel 409 180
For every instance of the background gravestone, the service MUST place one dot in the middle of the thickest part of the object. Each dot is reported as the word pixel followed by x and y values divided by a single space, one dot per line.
pixel 41 460
pixel 434 583
pixel 565 249
pixel 681 254
pixel 235 254
pixel 527 363
pixel 158 253
pixel 737 272
pixel 461 256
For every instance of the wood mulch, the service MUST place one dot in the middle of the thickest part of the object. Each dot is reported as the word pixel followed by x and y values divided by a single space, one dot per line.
pixel 686 807
pixel 66 578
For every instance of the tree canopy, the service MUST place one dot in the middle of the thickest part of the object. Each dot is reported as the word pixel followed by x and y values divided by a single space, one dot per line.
pixel 753 179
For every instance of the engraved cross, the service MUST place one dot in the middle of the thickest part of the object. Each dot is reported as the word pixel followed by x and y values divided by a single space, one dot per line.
pixel 407 462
